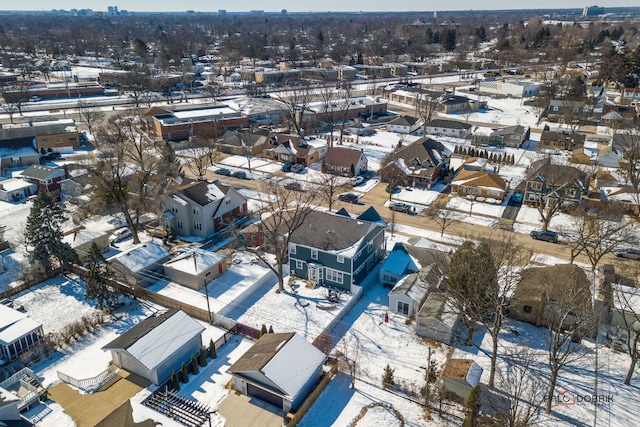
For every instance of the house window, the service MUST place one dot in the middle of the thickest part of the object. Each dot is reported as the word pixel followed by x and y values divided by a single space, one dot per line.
pixel 314 253
pixel 174 209
pixel 58 140
pixel 340 259
pixel 527 309
pixel 299 265
pixel 333 275
pixel 403 308
pixel 180 224
pixel 197 226
pixel 292 248
pixel 536 185
pixel 195 211
pixel 387 278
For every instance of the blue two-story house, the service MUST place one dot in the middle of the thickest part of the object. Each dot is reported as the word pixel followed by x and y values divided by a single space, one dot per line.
pixel 337 250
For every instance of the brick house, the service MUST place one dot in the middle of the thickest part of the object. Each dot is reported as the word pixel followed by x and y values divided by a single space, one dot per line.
pixel 344 161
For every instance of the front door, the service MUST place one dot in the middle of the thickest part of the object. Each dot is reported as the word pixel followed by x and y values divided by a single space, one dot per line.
pixel 313 273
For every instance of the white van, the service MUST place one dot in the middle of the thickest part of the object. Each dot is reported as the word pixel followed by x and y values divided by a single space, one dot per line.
pixel 357 180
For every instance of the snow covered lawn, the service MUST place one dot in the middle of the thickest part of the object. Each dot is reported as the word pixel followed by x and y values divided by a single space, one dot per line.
pixel 56 302
pixel 464 205
pixel 530 216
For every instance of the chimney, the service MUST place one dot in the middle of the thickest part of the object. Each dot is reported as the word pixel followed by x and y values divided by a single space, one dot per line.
pixel 453 91
pixel 66 171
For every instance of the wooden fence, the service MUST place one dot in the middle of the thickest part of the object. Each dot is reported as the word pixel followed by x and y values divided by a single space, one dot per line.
pixel 312 397
pixel 33 280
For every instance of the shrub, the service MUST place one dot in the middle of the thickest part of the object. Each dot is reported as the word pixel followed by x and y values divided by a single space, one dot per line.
pixel 212 350
pixel 270 329
pixel 184 375
pixel 193 365
pixel 387 377
pixel 263 330
pixel 202 357
pixel 175 384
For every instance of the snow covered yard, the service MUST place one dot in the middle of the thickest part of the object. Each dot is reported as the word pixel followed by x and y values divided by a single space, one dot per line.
pixel 14 217
pixel 462 204
pixel 577 379
pixel 56 302
pixel 12 262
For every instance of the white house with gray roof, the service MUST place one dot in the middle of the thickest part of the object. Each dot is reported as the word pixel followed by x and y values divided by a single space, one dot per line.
pixel 448 128
pixel 199 208
pixel 408 295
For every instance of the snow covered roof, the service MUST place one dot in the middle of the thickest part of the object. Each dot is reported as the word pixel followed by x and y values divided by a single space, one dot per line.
pixel 202 192
pixel 14 325
pixel 286 359
pixel 156 339
pixel 142 256
pixel 13 184
pixel 81 237
pixel 626 298
pixel 194 261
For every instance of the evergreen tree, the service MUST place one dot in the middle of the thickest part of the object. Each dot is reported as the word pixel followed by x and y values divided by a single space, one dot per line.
pixel 175 384
pixel 212 350
pixel 193 364
pixel 387 377
pixel 97 280
pixel 169 163
pixel 448 39
pixel 44 236
pixel 270 329
pixel 184 375
pixel 202 357
pixel 263 330
pixel 473 408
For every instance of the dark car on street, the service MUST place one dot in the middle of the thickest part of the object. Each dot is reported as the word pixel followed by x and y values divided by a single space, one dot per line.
pixel 240 174
pixel 223 171
pixel 546 235
pixel 348 197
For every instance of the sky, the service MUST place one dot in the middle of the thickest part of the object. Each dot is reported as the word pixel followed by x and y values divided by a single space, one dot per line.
pixel 304 6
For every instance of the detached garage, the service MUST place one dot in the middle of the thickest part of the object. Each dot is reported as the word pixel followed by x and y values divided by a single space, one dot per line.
pixel 157 346
pixel 195 268
pixel 280 369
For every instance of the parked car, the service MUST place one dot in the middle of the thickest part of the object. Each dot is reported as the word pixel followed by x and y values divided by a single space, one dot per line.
pixel 629 254
pixel 54 155
pixel 119 235
pixel 546 235
pixel 348 197
pixel 35 99
pixel 517 197
pixel 83 137
pixel 223 171
pixel 357 180
pixel 297 168
pixel 287 167
pixel 295 186
pixel 400 207
pixel 239 174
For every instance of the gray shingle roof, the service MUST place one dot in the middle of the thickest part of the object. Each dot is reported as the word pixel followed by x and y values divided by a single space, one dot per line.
pixel 449 124
pixel 342 156
pixel 261 352
pixel 425 149
pixel 38 172
pixel 130 337
pixel 330 232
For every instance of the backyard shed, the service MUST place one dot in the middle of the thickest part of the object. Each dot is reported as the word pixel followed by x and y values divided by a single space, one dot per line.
pixel 460 376
pixel 195 268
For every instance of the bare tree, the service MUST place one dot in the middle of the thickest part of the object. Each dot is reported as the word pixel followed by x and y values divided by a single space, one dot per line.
pixel 509 258
pixel 345 102
pixel 441 215
pixel 521 390
pixel 629 144
pixel 329 187
pixel 297 101
pixel 426 106
pixel 598 232
pixel 625 312
pixel 284 212
pixel 90 115
pixel 110 175
pixel 568 316
pixel 329 109
pixel 348 353
pixel 199 153
pixel 472 283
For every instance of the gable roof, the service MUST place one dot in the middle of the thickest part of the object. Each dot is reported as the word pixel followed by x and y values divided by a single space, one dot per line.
pixel 371 215
pixel 240 139
pixel 405 256
pixel 404 121
pixel 334 233
pixel 479 179
pixel 39 172
pixel 423 150
pixel 157 338
pixel 342 156
pixel 202 192
pixel 194 261
pixel 286 359
pixel 515 129
pixel 532 283
pixel 549 135
pixel 142 256
pixel 449 124
pixel 557 174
